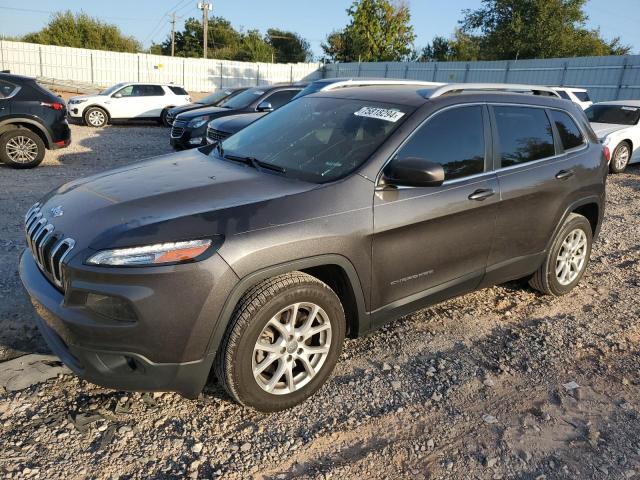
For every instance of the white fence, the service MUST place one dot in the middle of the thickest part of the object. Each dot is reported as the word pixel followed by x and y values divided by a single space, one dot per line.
pixel 607 78
pixel 103 68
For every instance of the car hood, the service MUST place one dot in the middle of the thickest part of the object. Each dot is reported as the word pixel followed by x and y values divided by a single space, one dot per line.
pixel 204 111
pixel 82 97
pixel 178 196
pixel 185 108
pixel 604 129
pixel 235 123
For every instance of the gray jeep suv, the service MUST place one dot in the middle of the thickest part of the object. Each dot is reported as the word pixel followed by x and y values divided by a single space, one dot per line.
pixel 342 210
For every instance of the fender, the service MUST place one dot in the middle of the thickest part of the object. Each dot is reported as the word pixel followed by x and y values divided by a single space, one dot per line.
pixel 95 105
pixel 256 277
pixel 31 120
pixel 598 200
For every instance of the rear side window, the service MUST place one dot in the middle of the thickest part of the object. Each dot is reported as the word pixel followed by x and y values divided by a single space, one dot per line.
pixel 570 134
pixel 7 89
pixel 582 96
pixel 454 139
pixel 524 135
pixel 278 99
pixel 563 94
pixel 178 90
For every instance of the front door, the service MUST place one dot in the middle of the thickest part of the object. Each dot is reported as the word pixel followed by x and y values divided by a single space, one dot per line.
pixel 430 240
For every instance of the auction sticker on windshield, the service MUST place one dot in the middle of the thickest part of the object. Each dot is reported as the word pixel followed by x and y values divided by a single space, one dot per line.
pixel 387 114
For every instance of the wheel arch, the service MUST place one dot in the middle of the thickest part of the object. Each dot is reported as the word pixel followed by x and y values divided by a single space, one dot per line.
pixel 96 105
pixel 591 207
pixel 31 125
pixel 334 270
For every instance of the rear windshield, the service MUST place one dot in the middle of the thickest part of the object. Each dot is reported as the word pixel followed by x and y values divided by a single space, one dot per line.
pixel 244 99
pixel 317 139
pixel 616 114
pixel 582 96
pixel 178 90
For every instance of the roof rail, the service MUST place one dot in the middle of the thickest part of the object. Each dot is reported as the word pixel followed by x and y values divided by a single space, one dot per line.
pixel 495 87
pixel 355 82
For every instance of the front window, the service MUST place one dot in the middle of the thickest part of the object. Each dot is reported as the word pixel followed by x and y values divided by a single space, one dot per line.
pixel 112 89
pixel 244 99
pixel 616 114
pixel 316 139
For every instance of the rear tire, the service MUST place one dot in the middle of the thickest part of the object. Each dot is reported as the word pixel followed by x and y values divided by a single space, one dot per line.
pixel 282 342
pixel 96 117
pixel 21 148
pixel 567 259
pixel 620 158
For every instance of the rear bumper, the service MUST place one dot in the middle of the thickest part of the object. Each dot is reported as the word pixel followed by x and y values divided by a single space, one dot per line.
pixel 88 349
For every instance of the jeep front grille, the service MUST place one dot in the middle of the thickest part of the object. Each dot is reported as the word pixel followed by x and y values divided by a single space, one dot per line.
pixel 48 247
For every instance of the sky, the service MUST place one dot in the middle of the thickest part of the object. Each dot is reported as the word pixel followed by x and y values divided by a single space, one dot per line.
pixel 148 20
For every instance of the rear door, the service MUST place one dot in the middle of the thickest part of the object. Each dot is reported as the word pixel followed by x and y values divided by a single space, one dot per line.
pixel 154 100
pixel 537 161
pixel 429 239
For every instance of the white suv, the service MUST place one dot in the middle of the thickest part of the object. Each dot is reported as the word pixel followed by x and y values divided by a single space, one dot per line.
pixel 124 101
pixel 576 95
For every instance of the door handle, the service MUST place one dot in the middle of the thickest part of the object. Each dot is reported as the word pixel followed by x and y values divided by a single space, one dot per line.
pixel 564 174
pixel 481 194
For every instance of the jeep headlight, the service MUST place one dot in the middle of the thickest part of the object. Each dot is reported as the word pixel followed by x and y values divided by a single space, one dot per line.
pixel 157 254
pixel 198 121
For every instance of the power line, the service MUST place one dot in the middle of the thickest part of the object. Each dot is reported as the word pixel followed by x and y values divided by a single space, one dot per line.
pixel 160 22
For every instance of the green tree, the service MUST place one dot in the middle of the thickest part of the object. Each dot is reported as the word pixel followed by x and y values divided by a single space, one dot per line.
pixel 379 31
pixel 289 47
pixel 82 31
pixel 439 50
pixel 535 29
pixel 254 49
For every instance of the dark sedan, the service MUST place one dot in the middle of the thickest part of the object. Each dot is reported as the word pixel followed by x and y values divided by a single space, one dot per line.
pixel 211 100
pixel 190 128
pixel 224 127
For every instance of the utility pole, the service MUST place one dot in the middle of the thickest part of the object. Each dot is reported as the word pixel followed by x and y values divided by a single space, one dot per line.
pixel 173 34
pixel 205 7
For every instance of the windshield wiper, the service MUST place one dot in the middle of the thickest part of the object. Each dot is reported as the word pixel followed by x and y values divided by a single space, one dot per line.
pixel 254 162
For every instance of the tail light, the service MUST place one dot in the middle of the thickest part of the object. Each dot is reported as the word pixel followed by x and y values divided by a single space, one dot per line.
pixel 54 105
pixel 607 153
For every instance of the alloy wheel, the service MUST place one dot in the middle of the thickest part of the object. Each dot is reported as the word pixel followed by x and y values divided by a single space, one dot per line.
pixel 621 157
pixel 96 118
pixel 571 257
pixel 21 149
pixel 292 348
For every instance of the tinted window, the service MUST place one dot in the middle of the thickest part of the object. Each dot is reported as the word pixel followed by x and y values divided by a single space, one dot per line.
pixel 7 89
pixel 570 134
pixel 582 96
pixel 148 91
pixel 454 139
pixel 563 94
pixel 317 139
pixel 216 97
pixel 244 99
pixel 278 99
pixel 178 90
pixel 524 134
pixel 616 114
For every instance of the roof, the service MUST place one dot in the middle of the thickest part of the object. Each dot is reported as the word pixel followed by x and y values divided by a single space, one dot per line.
pixel 17 78
pixel 332 83
pixel 628 103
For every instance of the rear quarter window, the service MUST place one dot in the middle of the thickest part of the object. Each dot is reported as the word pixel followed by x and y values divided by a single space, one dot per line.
pixel 178 90
pixel 7 89
pixel 524 135
pixel 570 134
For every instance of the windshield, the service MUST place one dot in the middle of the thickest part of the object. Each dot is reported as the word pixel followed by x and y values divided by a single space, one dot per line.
pixel 617 114
pixel 244 99
pixel 112 89
pixel 215 97
pixel 317 139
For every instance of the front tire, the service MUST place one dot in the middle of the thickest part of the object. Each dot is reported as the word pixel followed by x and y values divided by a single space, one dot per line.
pixel 567 259
pixel 96 117
pixel 163 117
pixel 620 158
pixel 21 148
pixel 282 342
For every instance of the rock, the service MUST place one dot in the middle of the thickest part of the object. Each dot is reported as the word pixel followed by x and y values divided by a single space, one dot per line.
pixel 570 386
pixel 490 462
pixel 386 367
pixel 430 444
pixel 396 385
pixel 436 397
pixel 197 448
pixel 487 382
pixel 245 447
pixel 489 418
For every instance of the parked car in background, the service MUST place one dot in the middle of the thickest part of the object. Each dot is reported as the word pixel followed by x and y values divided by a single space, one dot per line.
pixel 329 217
pixel 617 125
pixel 32 120
pixel 210 100
pixel 219 129
pixel 190 128
pixel 576 95
pixel 128 101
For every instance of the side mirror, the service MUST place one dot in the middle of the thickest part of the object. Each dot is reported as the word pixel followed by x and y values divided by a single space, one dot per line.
pixel 265 107
pixel 117 95
pixel 413 172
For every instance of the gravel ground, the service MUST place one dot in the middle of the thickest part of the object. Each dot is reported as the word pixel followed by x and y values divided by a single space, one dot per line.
pixel 501 383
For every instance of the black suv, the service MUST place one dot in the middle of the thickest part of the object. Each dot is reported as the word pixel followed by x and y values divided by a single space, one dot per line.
pixel 32 119
pixel 211 100
pixel 190 128
pixel 328 217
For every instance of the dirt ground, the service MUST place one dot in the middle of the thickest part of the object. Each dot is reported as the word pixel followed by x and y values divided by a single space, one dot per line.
pixel 501 383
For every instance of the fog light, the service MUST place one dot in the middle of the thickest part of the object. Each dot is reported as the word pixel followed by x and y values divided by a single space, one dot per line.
pixel 110 307
pixel 195 141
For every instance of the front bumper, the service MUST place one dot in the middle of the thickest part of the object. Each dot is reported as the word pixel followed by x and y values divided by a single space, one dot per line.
pixel 189 137
pixel 102 351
